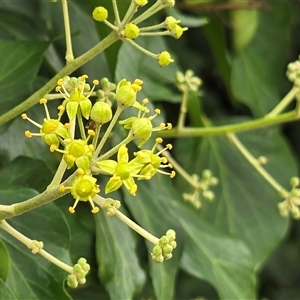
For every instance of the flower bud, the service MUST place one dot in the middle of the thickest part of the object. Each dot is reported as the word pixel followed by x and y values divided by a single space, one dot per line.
pixel 72 281
pixel 125 94
pixel 100 14
pixel 101 112
pixel 167 249
pixel 142 128
pixel 141 2
pixel 171 234
pixel 131 31
pixel 157 251
pixel 164 59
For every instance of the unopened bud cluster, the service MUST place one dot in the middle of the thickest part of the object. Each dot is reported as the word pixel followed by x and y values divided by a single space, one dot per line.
pixel 128 29
pixel 80 270
pixel 187 81
pixel 201 189
pixel 293 73
pixel 166 245
pixel 291 203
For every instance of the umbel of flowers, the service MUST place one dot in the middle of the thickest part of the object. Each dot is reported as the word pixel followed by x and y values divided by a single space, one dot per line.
pixel 84 153
pixel 128 28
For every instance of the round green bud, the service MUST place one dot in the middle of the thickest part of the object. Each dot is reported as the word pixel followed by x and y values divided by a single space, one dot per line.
pixel 101 112
pixel 164 59
pixel 173 244
pixel 141 2
pixel 100 14
pixel 209 195
pixel 158 259
pixel 131 31
pixel 295 212
pixel 157 250
pixel 81 280
pixel 295 181
pixel 142 128
pixel 171 234
pixel 104 83
pixel 111 96
pixel 72 281
pixel 167 249
pixel 168 256
pixel 125 96
pixel 163 241
pixel 206 174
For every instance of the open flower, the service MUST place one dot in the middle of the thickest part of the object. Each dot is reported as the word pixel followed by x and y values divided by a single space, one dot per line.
pixel 52 131
pixel 152 162
pixel 122 171
pixel 83 188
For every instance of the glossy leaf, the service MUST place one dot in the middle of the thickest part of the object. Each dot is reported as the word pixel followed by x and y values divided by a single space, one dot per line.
pixel 259 67
pixel 115 248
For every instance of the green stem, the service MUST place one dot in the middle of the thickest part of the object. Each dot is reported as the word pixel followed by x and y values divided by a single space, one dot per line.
pixel 96 136
pixel 255 163
pixel 151 238
pixel 284 102
pixel 153 27
pixel 183 109
pixel 58 174
pixel 157 6
pixel 80 124
pixel 158 33
pixel 28 242
pixel 108 131
pixel 49 195
pixel 69 52
pixel 116 12
pixel 69 68
pixel 140 48
pixel 130 12
pixel 232 128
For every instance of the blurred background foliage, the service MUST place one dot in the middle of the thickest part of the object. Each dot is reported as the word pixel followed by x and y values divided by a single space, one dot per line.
pixel 238 246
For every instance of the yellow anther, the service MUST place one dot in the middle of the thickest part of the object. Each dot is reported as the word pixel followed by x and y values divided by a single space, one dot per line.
pixel 172 175
pixel 58 88
pixel 164 160
pixel 79 88
pixel 136 87
pixel 91 132
pixel 169 126
pixel 60 81
pixel 61 108
pixel 43 101
pixel 91 147
pixel 80 171
pixel 53 148
pixel 67 125
pixel 145 101
pixel 71 210
pixel 159 140
pixel 169 146
pixel 95 81
pixel 24 116
pixel 95 210
pixel 157 111
pixel 28 134
pixel 62 188
pixel 138 81
pixel 162 126
pixel 84 77
pixel 71 157
pixel 170 165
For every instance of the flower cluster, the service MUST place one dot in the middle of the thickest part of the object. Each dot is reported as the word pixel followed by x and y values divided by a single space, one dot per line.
pixel 128 29
pixel 293 72
pixel 201 189
pixel 84 152
pixel 166 244
pixel 291 202
pixel 80 270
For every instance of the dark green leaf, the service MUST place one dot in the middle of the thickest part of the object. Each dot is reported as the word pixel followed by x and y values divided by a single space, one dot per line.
pixel 5 292
pixel 4 266
pixel 18 70
pixel 259 67
pixel 119 268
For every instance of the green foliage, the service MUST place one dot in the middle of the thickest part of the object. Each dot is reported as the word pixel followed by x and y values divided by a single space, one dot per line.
pixel 228 245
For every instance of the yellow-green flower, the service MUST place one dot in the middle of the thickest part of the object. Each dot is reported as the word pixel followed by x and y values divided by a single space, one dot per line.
pixel 52 131
pixel 122 171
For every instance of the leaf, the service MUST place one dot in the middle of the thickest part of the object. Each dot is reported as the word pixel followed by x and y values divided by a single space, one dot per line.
pixel 257 69
pixel 119 268
pixel 25 171
pixel 18 70
pixel 4 266
pixel 245 204
pixel 151 212
pixel 204 254
pixel 5 292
